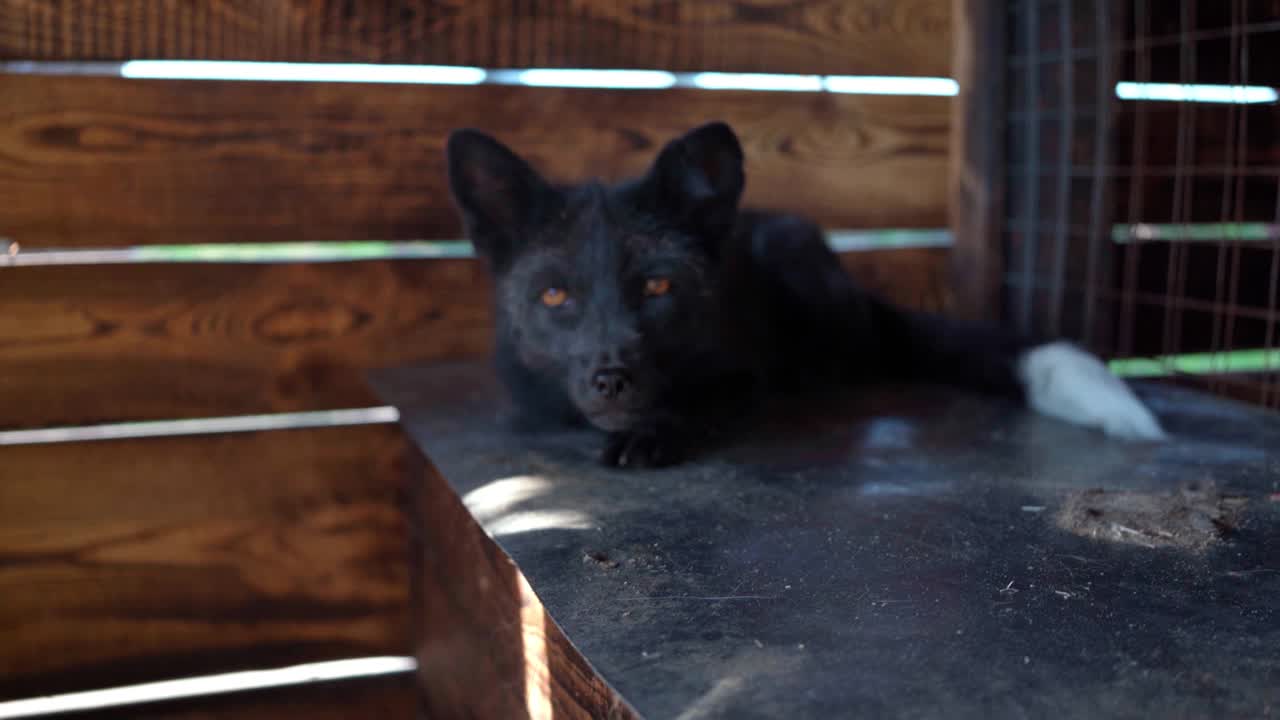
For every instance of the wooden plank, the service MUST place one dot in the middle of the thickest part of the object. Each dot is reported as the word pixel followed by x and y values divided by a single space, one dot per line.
pixel 1252 388
pixel 95 161
pixel 915 277
pixel 977 161
pixel 627 561
pixel 1196 296
pixel 85 344
pixel 1181 161
pixel 1217 135
pixel 136 560
pixel 805 36
pixel 390 697
pixel 1225 172
pixel 487 647
pixel 1234 43
pixel 88 344
pixel 1246 273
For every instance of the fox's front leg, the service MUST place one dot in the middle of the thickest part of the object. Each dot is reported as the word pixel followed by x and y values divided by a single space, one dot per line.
pixel 649 448
pixel 653 445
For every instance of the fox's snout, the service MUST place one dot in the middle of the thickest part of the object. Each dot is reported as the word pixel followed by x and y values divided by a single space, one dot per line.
pixel 610 391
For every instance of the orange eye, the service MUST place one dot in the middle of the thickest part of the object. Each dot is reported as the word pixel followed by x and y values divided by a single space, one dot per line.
pixel 554 297
pixel 654 287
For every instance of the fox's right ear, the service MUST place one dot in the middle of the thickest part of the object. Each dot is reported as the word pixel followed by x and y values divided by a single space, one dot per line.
pixel 498 194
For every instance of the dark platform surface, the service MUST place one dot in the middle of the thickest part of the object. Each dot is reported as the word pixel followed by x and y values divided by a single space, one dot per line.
pixel 897 553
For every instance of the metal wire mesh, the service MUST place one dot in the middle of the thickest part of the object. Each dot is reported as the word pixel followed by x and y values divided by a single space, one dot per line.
pixel 1144 227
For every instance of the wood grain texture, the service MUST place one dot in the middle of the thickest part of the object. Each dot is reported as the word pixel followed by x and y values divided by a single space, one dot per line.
pixel 96 161
pixel 135 560
pixel 1176 300
pixel 84 344
pixel 918 278
pixel 87 344
pixel 392 697
pixel 487 647
pixel 1252 388
pixel 977 160
pixel 877 37
pixel 1198 163
pixel 1235 43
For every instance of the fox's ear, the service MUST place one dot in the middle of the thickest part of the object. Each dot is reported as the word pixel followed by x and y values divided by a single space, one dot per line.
pixel 698 178
pixel 498 194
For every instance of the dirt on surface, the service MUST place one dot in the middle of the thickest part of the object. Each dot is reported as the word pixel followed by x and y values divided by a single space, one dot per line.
pixel 1192 518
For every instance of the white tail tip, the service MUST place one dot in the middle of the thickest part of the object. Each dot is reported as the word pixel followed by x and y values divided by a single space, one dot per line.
pixel 1067 383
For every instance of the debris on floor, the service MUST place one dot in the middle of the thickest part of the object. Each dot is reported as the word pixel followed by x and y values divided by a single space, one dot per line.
pixel 1192 517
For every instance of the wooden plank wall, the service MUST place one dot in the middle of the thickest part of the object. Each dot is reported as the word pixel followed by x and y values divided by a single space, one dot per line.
pixel 98 161
pixel 88 344
pixel 133 560
pixel 105 162
pixel 123 559
pixel 871 37
pixel 184 558
pixel 96 343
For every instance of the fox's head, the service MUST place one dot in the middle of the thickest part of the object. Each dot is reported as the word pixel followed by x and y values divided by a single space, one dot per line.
pixel 609 291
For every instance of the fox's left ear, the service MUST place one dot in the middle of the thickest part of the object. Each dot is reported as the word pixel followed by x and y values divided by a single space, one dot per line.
pixel 698 179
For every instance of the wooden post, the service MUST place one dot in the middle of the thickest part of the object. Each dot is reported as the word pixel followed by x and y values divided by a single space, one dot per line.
pixel 977 157
pixel 486 646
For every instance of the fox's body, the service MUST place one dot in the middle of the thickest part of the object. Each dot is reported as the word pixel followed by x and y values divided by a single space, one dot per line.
pixel 658 311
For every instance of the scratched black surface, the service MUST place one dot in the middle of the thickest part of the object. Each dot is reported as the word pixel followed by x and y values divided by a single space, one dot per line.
pixel 882 555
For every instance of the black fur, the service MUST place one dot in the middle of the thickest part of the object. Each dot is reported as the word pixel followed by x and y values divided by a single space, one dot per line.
pixel 757 302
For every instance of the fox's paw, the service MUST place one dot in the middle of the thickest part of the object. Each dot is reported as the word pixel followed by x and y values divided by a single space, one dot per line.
pixel 1067 383
pixel 639 449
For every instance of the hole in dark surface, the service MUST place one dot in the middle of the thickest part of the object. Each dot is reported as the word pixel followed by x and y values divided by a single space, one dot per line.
pixel 600 558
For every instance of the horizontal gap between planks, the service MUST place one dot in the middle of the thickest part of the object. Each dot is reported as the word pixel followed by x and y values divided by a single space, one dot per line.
pixel 840 241
pixel 464 75
pixel 1195 232
pixel 203 426
pixel 1204 363
pixel 1195 93
pixel 613 79
pixel 194 687
pixel 1155 232
pixel 12 254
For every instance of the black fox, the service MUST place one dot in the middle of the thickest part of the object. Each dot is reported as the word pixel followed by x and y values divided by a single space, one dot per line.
pixel 658 311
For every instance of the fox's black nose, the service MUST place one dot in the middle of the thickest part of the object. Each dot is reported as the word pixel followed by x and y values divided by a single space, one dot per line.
pixel 611 383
